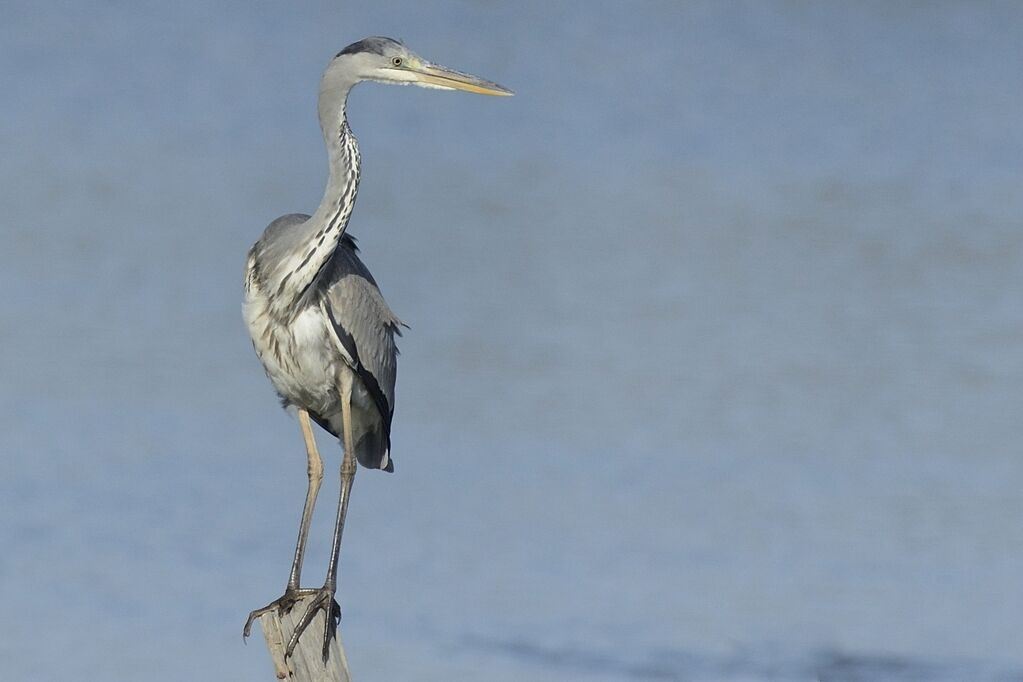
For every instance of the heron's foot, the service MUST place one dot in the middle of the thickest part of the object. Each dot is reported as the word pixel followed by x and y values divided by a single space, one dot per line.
pixel 322 601
pixel 282 605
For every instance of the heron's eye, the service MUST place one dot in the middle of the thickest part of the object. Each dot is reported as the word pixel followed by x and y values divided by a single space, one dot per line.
pixel 396 61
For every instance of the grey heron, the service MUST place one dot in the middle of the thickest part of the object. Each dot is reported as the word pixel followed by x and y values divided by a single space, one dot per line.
pixel 318 322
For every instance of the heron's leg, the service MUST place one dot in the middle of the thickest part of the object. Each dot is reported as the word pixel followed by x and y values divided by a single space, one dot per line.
pixel 315 472
pixel 348 469
pixel 324 601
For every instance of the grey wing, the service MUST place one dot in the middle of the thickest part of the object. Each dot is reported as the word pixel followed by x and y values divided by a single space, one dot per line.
pixel 365 329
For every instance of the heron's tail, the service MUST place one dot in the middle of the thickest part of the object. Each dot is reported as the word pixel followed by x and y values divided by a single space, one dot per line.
pixel 374 451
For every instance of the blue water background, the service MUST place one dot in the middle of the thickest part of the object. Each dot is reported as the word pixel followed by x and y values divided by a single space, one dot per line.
pixel 715 368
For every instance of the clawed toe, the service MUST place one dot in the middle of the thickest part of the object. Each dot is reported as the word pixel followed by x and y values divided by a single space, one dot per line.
pixel 323 601
pixel 284 604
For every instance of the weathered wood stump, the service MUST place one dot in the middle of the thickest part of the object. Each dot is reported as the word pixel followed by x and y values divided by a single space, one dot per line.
pixel 306 664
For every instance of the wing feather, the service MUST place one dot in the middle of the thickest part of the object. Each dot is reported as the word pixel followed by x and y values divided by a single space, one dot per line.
pixel 364 326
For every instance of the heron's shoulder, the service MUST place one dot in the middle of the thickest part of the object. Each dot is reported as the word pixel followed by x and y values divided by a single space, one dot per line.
pixel 281 225
pixel 277 238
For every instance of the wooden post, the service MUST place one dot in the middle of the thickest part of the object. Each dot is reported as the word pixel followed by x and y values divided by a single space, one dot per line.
pixel 306 664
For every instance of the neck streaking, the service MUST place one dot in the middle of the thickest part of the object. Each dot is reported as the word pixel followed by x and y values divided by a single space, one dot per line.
pixel 331 218
pixel 313 242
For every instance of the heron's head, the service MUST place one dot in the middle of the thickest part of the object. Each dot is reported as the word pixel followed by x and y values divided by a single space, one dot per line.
pixel 386 60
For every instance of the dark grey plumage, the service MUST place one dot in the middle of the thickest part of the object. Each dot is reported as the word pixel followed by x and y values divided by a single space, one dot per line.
pixel 365 327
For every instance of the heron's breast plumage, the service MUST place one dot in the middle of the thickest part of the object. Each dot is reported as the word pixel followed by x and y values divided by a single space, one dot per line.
pixel 297 353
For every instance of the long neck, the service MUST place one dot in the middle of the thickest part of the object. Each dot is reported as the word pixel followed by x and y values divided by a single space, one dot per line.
pixel 309 245
pixel 331 217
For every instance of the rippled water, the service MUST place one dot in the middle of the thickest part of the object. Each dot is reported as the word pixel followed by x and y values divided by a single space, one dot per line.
pixel 715 363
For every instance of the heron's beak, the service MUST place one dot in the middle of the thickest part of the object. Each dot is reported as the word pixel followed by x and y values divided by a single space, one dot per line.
pixel 449 79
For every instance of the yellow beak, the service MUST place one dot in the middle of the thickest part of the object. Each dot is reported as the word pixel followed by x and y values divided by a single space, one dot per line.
pixel 449 79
